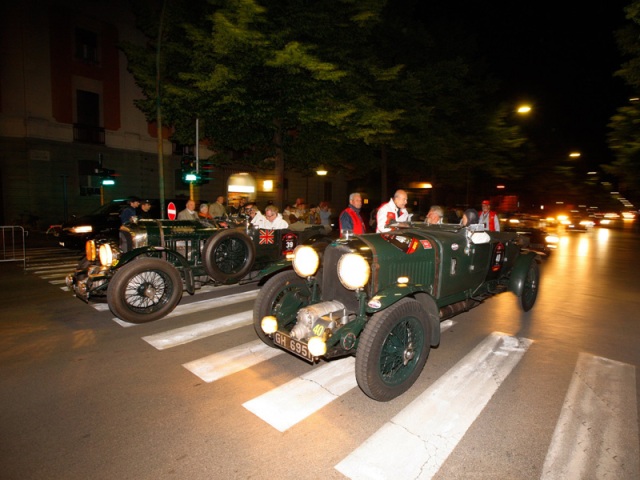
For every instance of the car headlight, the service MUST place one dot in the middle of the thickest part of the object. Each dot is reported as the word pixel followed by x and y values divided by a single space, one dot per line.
pixel 106 255
pixel 551 239
pixel 353 271
pixel 90 250
pixel 81 229
pixel 305 260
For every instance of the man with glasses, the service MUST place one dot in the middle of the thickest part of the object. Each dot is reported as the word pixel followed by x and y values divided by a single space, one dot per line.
pixel 271 219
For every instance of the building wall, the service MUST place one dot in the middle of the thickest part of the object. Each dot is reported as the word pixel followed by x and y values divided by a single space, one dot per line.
pixel 44 173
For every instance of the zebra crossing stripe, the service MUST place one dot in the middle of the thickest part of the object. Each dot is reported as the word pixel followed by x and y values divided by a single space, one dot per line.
pixel 182 335
pixel 219 365
pixel 201 306
pixel 294 401
pixel 417 441
pixel 597 433
pixel 304 395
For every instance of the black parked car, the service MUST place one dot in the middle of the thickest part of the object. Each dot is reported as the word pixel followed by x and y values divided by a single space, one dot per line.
pixel 104 222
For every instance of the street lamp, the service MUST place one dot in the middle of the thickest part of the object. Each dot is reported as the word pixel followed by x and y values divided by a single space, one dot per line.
pixel 321 171
pixel 524 109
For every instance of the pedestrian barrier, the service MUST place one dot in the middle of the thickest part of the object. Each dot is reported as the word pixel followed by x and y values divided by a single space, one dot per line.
pixel 12 248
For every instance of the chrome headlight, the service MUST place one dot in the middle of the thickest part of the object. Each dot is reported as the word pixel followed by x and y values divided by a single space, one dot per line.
pixel 305 260
pixel 353 271
pixel 81 229
pixel 109 254
pixel 90 250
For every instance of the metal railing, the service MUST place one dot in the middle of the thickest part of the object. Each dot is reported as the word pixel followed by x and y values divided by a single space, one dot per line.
pixel 13 247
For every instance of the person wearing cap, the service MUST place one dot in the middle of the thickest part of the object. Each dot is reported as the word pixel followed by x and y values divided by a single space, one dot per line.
pixel 489 217
pixel 145 207
pixel 130 211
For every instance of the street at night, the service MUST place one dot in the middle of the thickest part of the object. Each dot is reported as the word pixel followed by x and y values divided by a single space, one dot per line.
pixel 551 393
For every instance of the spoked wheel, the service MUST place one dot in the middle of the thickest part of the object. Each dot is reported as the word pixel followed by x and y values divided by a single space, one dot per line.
pixel 530 287
pixel 144 290
pixel 393 350
pixel 229 256
pixel 281 296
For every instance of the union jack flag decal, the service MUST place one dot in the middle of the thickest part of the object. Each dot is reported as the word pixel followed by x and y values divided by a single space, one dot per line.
pixel 266 237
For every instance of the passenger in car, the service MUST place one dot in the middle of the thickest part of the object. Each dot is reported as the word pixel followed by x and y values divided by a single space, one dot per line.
pixel 469 217
pixel 434 217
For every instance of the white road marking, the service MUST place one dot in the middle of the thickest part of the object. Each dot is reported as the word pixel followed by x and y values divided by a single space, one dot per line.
pixel 304 395
pixel 201 306
pixel 294 401
pixel 597 433
pixel 219 365
pixel 417 441
pixel 180 336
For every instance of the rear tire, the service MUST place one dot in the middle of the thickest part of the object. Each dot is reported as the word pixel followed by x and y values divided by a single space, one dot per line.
pixel 530 287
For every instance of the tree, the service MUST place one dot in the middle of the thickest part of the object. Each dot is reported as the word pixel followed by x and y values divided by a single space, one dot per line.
pixel 624 138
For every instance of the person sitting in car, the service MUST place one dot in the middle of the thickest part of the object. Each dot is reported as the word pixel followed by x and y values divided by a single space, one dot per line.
pixel 271 219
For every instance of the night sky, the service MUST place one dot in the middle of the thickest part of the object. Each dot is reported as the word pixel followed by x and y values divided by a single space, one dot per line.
pixel 561 58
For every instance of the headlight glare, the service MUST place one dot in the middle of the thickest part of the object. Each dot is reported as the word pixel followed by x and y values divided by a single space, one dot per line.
pixel 317 346
pixel 90 250
pixel 269 324
pixel 81 229
pixel 106 255
pixel 305 260
pixel 353 271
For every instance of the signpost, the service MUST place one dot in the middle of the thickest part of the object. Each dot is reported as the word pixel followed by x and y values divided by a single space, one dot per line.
pixel 171 211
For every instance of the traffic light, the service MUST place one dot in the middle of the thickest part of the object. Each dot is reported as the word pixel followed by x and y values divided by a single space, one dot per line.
pixel 106 176
pixel 190 171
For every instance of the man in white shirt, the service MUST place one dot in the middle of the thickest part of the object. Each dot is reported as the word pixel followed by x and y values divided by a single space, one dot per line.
pixel 392 212
pixel 271 219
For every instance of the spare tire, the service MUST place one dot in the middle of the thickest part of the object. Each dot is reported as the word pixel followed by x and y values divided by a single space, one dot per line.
pixel 229 256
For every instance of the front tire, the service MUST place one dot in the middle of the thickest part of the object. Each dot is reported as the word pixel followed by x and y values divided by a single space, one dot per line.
pixel 393 350
pixel 281 296
pixel 144 290
pixel 530 287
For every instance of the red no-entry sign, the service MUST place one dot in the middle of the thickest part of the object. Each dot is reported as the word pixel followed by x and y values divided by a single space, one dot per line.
pixel 171 211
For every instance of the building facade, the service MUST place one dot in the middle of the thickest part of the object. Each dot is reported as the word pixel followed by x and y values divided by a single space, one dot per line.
pixel 67 112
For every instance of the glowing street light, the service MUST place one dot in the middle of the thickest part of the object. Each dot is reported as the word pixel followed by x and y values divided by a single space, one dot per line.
pixel 523 109
pixel 574 154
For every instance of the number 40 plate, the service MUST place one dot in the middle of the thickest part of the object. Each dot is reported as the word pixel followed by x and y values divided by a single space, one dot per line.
pixel 292 345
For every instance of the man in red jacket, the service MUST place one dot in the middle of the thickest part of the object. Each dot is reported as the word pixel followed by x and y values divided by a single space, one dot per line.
pixel 350 219
pixel 489 217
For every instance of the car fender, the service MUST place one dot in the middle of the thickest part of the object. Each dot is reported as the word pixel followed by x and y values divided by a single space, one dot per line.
pixel 184 263
pixel 519 272
pixel 394 293
pixel 273 268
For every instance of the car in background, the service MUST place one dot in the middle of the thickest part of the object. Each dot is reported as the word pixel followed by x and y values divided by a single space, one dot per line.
pixel 103 222
pixel 575 222
pixel 540 239
pixel 143 273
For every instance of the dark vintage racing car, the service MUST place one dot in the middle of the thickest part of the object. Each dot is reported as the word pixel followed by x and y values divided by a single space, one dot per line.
pixel 144 274
pixel 381 297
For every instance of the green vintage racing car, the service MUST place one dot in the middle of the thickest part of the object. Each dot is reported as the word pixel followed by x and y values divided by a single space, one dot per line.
pixel 381 297
pixel 142 276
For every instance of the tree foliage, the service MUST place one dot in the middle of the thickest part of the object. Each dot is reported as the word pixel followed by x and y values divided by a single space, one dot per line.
pixel 333 82
pixel 624 138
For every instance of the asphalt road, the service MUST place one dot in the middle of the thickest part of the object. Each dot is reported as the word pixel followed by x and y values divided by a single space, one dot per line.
pixel 548 394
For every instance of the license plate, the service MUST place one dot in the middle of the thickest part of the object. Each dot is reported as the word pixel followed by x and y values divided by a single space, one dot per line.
pixel 292 345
